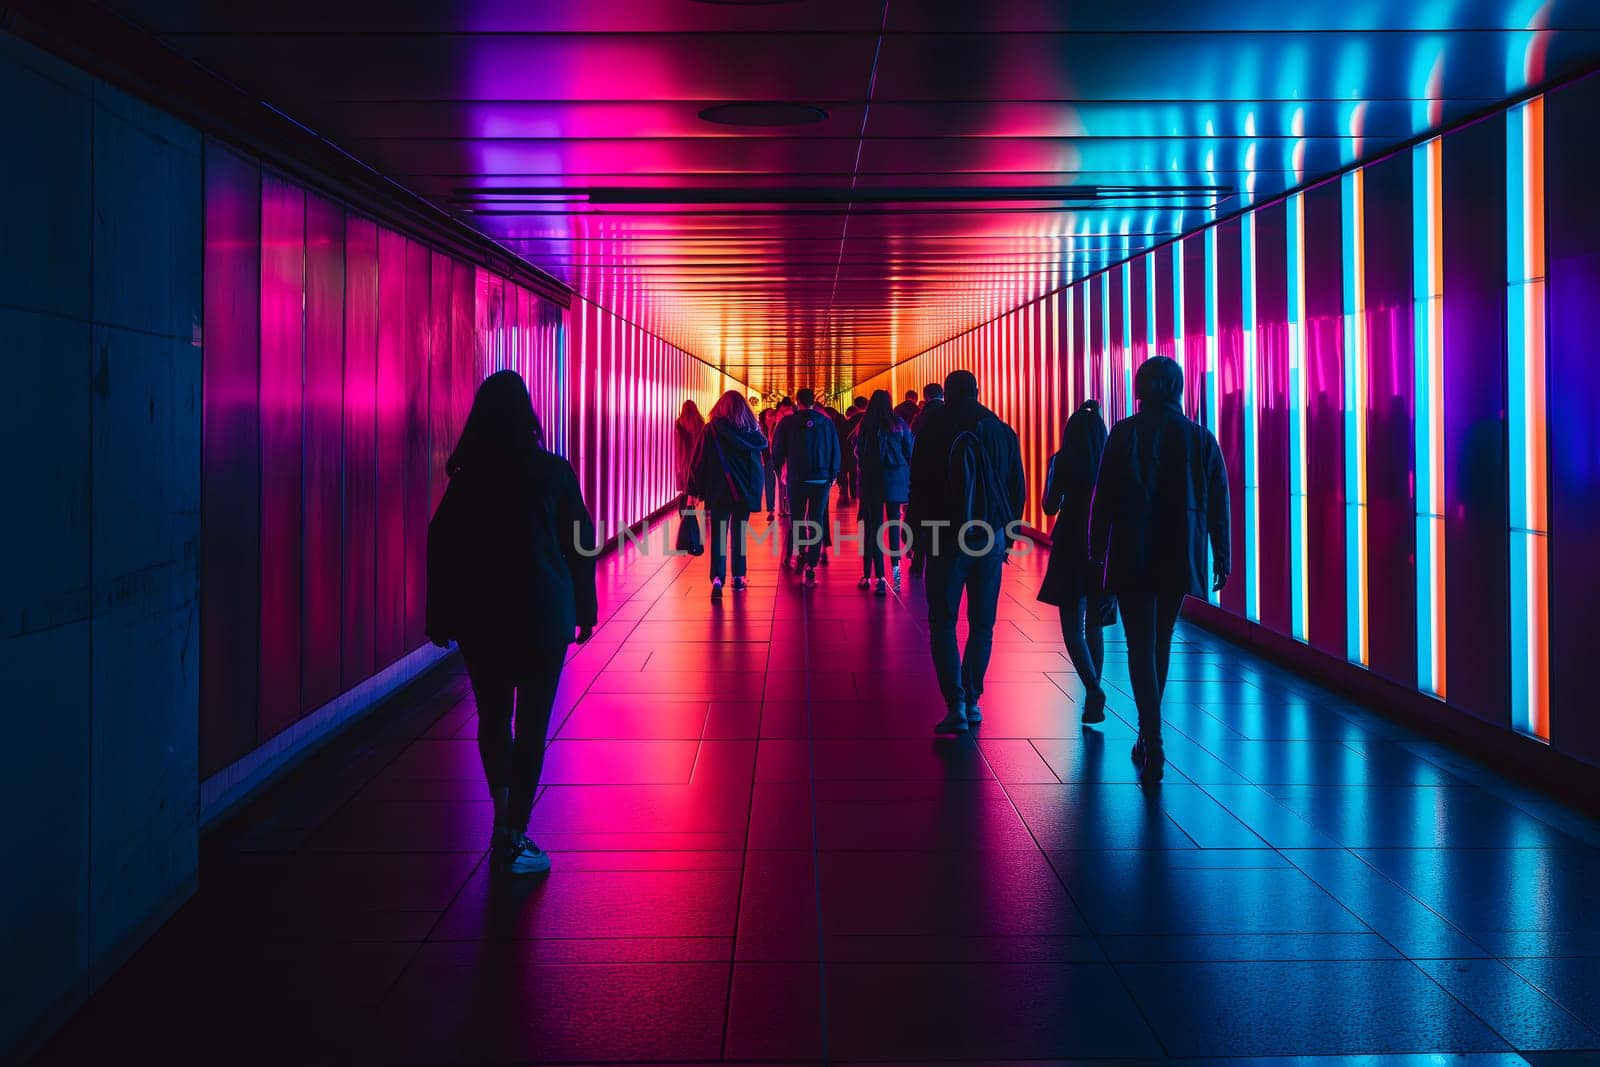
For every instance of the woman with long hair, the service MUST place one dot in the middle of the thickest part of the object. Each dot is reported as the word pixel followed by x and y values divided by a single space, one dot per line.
pixel 769 470
pixel 725 472
pixel 1068 492
pixel 785 409
pixel 883 458
pixel 510 580
pixel 688 427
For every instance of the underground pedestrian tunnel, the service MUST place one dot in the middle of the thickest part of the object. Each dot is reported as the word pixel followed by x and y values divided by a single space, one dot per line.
pixel 256 258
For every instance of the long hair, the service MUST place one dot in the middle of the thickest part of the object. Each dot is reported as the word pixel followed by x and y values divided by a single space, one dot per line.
pixel 690 418
pixel 733 407
pixel 1090 407
pixel 501 430
pixel 880 412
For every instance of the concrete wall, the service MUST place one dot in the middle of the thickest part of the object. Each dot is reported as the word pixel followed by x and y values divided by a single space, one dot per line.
pixel 100 298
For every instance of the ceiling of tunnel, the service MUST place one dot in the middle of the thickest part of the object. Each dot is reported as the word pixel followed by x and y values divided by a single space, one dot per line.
pixel 973 155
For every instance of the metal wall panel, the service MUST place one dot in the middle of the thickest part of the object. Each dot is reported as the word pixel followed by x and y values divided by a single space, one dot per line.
pixel 357 659
pixel 389 572
pixel 1272 415
pixel 1476 486
pixel 323 476
pixel 282 333
pixel 1391 445
pixel 416 442
pixel 1573 251
pixel 1230 399
pixel 1325 420
pixel 230 475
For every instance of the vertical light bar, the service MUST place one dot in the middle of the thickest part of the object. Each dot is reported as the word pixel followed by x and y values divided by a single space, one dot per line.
pixel 1177 308
pixel 1072 353
pixel 1299 613
pixel 1127 337
pixel 1213 412
pixel 1353 219
pixel 1105 345
pixel 1150 303
pixel 1427 274
pixel 1252 474
pixel 1525 367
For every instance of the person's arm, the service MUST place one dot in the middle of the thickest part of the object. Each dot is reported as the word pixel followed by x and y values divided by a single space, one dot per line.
pixel 1016 481
pixel 1103 501
pixel 576 531
pixel 780 444
pixel 836 451
pixel 1053 497
pixel 1218 517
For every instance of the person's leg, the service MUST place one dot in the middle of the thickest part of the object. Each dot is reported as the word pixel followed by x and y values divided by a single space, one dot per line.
pixel 719 544
pixel 983 601
pixel 493 691
pixel 871 523
pixel 536 697
pixel 820 503
pixel 1075 635
pixel 770 473
pixel 943 588
pixel 736 525
pixel 1139 624
pixel 1167 607
pixel 796 512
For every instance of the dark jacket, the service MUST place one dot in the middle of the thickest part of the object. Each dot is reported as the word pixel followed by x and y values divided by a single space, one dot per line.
pixel 885 462
pixel 930 455
pixel 683 439
pixel 928 409
pixel 503 555
pixel 907 411
pixel 723 451
pixel 1162 491
pixel 845 425
pixel 807 444
pixel 1068 491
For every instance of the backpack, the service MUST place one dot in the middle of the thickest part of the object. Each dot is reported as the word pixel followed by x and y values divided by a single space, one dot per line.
pixel 976 493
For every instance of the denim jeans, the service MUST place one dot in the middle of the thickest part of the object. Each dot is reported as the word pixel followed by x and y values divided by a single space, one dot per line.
pixel 1085 641
pixel 770 473
pixel 949 575
pixel 808 502
pixel 876 514
pixel 728 529
pixel 513 684
pixel 1147 620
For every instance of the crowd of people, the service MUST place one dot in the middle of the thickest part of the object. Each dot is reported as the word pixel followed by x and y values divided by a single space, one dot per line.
pixel 510 550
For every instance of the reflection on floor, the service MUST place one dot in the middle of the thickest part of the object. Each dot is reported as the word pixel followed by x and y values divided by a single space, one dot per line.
pixel 762 853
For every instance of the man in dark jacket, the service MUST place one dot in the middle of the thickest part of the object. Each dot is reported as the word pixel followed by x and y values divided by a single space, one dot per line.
pixel 964 552
pixel 1162 493
pixel 932 401
pixel 908 409
pixel 808 446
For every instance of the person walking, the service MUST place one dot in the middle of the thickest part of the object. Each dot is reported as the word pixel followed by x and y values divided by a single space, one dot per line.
pixel 687 432
pixel 1068 490
pixel 807 450
pixel 908 408
pixel 932 401
pixel 883 456
pixel 785 409
pixel 846 478
pixel 768 421
pixel 725 472
pixel 967 487
pixel 510 571
pixel 1161 495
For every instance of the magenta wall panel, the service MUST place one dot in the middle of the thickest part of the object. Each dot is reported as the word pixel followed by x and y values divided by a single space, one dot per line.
pixel 464 372
pixel 1165 309
pixel 1137 312
pixel 418 453
pixel 1116 354
pixel 1230 397
pixel 1324 369
pixel 1272 402
pixel 1391 504
pixel 230 485
pixel 1476 486
pixel 322 579
pixel 1094 343
pixel 442 430
pixel 1194 326
pixel 1573 270
pixel 389 639
pixel 282 333
pixel 358 658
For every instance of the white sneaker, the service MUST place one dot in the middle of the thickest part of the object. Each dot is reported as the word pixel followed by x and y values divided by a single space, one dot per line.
pixel 525 857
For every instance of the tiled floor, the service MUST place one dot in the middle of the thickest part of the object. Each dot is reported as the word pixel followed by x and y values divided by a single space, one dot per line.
pixel 762 853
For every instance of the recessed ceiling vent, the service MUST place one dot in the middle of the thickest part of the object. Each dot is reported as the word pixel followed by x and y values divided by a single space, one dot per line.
pixel 763 113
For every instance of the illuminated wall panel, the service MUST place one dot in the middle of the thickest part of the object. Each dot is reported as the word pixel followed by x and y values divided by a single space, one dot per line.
pixel 1272 436
pixel 1427 361
pixel 1353 259
pixel 389 638
pixel 1476 489
pixel 1560 218
pixel 1391 469
pixel 1295 307
pixel 1231 410
pixel 358 657
pixel 322 491
pixel 1323 368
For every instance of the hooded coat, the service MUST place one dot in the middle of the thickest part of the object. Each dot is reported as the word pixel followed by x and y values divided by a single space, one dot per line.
pixel 930 457
pixel 884 459
pixel 725 470
pixel 1068 492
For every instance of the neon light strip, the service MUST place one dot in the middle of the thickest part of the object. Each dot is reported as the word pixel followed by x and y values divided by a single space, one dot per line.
pixel 1213 406
pixel 1428 366
pixel 1150 303
pixel 1299 609
pixel 1353 218
pixel 1073 354
pixel 1252 473
pixel 1177 305
pixel 1127 338
pixel 1105 344
pixel 1526 406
